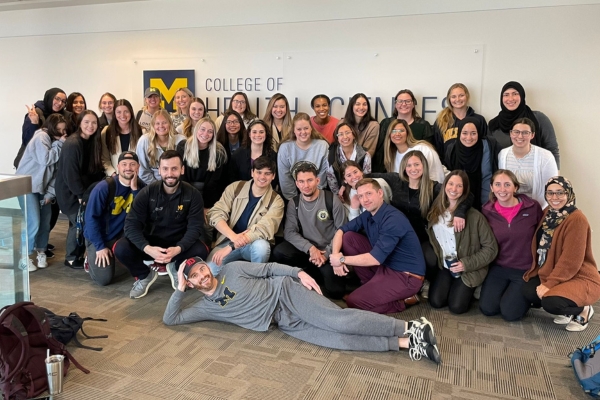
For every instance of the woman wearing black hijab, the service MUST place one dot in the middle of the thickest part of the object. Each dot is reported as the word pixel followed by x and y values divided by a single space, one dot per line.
pixel 476 155
pixel 512 102
pixel 55 100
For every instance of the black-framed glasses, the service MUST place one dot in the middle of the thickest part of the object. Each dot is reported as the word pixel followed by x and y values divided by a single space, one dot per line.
pixel 559 193
pixel 524 134
pixel 63 101
pixel 407 102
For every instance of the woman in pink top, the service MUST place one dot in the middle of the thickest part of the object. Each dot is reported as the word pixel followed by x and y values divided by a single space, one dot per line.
pixel 513 219
pixel 323 122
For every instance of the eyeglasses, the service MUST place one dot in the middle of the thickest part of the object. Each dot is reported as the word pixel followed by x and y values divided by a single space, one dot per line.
pixel 524 134
pixel 239 102
pixel 343 134
pixel 234 122
pixel 398 131
pixel 407 102
pixel 559 194
pixel 63 101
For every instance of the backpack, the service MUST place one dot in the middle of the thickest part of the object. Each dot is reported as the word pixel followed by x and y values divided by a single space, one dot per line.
pixel 241 184
pixel 328 204
pixel 65 328
pixel 587 367
pixel 25 339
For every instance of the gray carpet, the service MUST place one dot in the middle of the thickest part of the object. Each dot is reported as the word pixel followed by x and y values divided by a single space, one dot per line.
pixel 483 358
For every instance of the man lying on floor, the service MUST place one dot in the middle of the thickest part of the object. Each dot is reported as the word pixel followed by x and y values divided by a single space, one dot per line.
pixel 252 295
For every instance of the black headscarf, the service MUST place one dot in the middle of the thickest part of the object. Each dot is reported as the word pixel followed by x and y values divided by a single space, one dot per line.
pixel 469 158
pixel 506 118
pixel 48 100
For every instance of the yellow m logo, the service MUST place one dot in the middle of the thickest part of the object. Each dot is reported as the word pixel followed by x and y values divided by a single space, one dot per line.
pixel 168 93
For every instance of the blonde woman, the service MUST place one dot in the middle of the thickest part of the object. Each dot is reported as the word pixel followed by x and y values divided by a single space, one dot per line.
pixel 162 137
pixel 445 129
pixel 399 140
pixel 183 99
pixel 204 159
pixel 278 118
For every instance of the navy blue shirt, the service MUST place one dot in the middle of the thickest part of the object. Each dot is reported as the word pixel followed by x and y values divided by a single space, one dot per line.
pixel 395 243
pixel 242 224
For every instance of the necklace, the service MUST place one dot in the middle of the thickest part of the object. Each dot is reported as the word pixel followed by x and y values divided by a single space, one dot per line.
pixel 304 206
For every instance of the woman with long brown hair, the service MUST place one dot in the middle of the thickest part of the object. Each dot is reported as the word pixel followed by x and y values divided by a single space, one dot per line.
pixel 120 135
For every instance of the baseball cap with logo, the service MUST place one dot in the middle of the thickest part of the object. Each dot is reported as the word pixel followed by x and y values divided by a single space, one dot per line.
pixel 190 263
pixel 151 91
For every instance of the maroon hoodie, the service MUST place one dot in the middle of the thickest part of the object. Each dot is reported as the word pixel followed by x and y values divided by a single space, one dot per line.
pixel 514 239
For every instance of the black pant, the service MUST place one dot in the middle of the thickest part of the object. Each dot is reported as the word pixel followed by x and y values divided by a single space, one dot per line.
pixel 446 290
pixel 133 258
pixel 501 293
pixel 553 304
pixel 431 261
pixel 74 250
pixel 333 286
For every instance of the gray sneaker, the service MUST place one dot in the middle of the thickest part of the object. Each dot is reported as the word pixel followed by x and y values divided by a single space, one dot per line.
pixel 141 286
pixel 172 271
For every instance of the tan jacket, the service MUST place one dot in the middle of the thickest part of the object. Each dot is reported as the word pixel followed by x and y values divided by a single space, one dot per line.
pixel 263 222
pixel 476 247
pixel 110 161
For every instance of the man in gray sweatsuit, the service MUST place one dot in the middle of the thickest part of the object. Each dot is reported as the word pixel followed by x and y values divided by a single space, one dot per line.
pixel 253 295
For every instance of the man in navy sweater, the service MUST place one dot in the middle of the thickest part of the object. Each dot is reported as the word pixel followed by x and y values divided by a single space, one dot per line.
pixel 105 217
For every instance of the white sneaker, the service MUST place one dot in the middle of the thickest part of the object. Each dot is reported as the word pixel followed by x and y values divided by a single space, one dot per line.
pixel 563 319
pixel 27 264
pixel 578 324
pixel 41 260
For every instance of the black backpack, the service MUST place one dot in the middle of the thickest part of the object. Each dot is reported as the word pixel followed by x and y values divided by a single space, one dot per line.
pixel 328 204
pixel 65 328
pixel 25 338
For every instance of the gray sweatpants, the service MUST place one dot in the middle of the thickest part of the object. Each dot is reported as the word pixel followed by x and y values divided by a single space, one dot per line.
pixel 306 315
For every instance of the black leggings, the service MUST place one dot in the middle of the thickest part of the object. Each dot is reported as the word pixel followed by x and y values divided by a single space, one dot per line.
pixel 446 290
pixel 431 261
pixel 553 304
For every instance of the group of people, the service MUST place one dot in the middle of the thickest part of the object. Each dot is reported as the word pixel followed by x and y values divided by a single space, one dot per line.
pixel 378 215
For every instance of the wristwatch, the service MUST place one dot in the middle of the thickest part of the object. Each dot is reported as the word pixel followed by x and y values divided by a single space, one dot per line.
pixel 232 245
pixel 342 259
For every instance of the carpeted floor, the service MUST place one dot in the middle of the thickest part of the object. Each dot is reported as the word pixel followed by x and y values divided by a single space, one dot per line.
pixel 483 358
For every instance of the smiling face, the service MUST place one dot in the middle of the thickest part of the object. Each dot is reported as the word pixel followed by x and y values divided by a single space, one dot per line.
pixel 88 126
pixel 302 130
pixel 232 125
pixel 398 135
pixel 511 99
pixel 458 98
pixel 170 171
pixel 556 196
pixel 59 102
pixel 127 168
pixel 182 99
pixel 468 135
pixel 307 183
pixel 238 103
pixel 196 111
pixel 153 101
pixel 123 116
pixel 454 188
pixel 78 105
pixel 201 278
pixel 504 189
pixel 107 105
pixel 521 136
pixel 345 136
pixel 258 134
pixel 370 198
pixel 279 109
pixel 161 125
pixel 352 175
pixel 321 108
pixel 205 133
pixel 414 168
pixel 262 177
pixel 360 108
pixel 404 104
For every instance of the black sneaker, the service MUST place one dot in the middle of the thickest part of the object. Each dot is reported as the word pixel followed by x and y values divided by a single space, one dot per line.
pixel 49 254
pixel 76 264
pixel 417 350
pixel 422 340
pixel 50 247
pixel 422 330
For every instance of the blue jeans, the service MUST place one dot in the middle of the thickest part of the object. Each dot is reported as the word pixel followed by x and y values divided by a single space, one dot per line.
pixel 258 251
pixel 38 221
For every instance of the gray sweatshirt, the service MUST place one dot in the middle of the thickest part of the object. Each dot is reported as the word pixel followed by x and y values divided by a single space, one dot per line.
pixel 315 231
pixel 39 160
pixel 246 295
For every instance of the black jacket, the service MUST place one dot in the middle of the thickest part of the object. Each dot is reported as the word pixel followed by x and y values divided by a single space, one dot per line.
pixel 158 219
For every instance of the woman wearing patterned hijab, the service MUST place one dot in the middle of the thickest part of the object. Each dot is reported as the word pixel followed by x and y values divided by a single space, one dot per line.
pixel 564 279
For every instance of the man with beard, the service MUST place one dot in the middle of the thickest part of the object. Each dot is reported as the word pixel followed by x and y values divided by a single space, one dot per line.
pixel 253 295
pixel 165 225
pixel 107 207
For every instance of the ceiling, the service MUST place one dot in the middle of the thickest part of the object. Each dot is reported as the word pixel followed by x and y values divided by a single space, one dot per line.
pixel 11 5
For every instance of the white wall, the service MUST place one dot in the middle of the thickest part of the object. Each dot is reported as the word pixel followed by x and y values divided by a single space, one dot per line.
pixel 552 51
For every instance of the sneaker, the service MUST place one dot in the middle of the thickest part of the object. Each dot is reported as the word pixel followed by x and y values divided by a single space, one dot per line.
pixel 141 286
pixel 421 330
pixel 86 265
pixel 49 254
pixel 477 292
pixel 172 270
pixel 158 267
pixel 417 350
pixel 412 300
pixel 425 289
pixel 50 246
pixel 41 260
pixel 578 323
pixel 563 319
pixel 27 264
pixel 75 264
